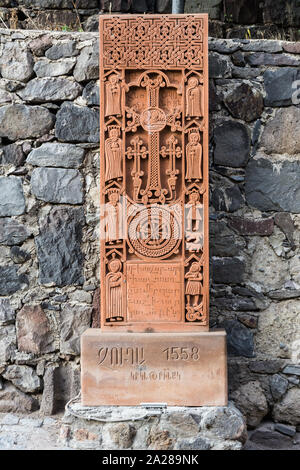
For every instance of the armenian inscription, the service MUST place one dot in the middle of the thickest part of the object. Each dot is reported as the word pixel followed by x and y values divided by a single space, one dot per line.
pixel 154 156
pixel 154 292
pixel 176 368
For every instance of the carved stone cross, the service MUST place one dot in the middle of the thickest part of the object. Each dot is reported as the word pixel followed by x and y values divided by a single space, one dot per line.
pixel 153 119
pixel 154 343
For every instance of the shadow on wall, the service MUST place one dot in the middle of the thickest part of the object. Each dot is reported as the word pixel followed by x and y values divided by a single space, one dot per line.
pixel 258 19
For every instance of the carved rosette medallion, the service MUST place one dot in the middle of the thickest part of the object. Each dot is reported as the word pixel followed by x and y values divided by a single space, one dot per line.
pixel 154 233
pixel 154 172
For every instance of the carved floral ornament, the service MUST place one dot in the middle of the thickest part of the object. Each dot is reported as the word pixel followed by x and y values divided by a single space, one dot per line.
pixel 154 141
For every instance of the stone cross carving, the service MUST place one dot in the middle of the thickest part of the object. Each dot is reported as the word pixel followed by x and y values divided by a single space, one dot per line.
pixel 152 119
pixel 154 219
pixel 154 172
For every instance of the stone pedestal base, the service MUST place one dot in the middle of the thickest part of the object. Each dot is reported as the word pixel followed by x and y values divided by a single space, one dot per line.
pixel 178 369
pixel 116 427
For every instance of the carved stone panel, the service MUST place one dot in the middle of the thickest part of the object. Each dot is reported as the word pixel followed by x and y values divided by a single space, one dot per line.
pixel 154 292
pixel 180 369
pixel 154 172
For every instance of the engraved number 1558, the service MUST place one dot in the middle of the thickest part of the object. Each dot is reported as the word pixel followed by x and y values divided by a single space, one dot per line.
pixel 176 353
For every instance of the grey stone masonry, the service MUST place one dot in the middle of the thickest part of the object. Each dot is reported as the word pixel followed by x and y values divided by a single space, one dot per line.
pixel 50 228
pixel 12 201
pixel 139 428
pixel 57 185
pixel 56 155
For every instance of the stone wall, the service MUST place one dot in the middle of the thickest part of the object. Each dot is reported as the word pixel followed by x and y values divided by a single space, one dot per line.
pixel 49 214
pixel 256 19
pixel 142 428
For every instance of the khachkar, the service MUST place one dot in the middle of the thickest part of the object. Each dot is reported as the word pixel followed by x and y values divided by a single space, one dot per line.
pixel 154 219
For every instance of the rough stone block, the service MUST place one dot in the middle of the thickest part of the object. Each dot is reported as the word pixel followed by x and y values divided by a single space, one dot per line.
pixel 16 63
pixel 219 66
pixel 276 137
pixel 232 144
pixel 57 185
pixel 288 410
pixel 246 226
pixel 41 90
pixel 251 401
pixel 23 377
pixel 19 121
pixel 61 383
pixel 10 280
pixel 228 270
pixel 45 68
pixel 223 241
pixel 239 339
pixel 7 313
pixel 87 67
pixel 58 247
pixel 279 86
pixel 245 102
pixel 270 187
pixel 7 343
pixel 264 58
pixel 13 400
pixel 91 93
pixel 12 155
pixel 271 439
pixel 56 155
pixel 62 50
pixel 12 232
pixel 12 201
pixel 279 325
pixel 34 331
pixel 77 124
pixel 74 321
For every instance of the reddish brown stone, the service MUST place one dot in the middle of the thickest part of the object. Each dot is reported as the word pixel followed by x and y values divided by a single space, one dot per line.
pixel 81 434
pixel 181 369
pixel 154 104
pixel 33 330
pixel 155 274
pixel 40 44
pixel 292 47
pixel 159 440
pixel 122 434
pixel 85 435
pixel 263 227
pixel 248 320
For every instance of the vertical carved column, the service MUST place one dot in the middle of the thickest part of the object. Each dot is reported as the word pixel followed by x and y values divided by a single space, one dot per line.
pixel 155 279
pixel 154 164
